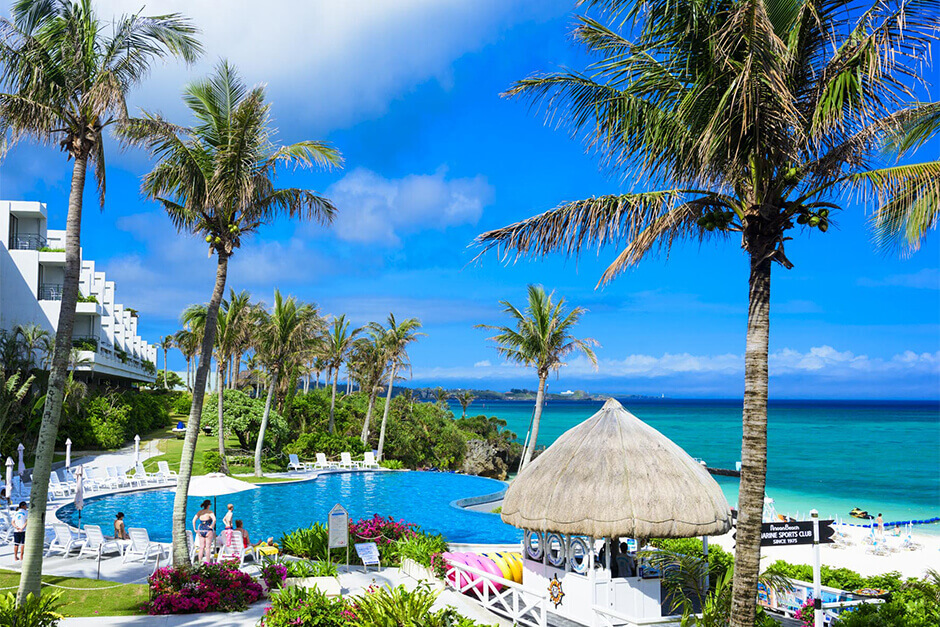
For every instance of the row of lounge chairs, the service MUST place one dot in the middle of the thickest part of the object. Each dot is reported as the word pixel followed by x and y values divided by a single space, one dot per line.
pixel 345 462
pixel 111 478
pixel 139 546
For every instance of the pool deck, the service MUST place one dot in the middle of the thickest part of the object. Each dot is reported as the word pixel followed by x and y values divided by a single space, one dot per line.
pixel 112 568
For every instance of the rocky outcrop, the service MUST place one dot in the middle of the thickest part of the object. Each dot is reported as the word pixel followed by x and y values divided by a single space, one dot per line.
pixel 483 458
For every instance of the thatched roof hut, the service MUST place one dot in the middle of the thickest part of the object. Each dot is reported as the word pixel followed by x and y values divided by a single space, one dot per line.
pixel 613 475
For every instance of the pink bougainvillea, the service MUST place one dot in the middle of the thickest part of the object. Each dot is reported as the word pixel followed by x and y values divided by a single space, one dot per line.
pixel 382 531
pixel 205 588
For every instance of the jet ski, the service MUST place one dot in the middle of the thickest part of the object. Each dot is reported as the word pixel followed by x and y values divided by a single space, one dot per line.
pixel 860 513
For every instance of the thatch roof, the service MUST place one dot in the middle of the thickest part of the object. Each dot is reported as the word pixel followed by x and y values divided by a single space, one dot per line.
pixel 613 475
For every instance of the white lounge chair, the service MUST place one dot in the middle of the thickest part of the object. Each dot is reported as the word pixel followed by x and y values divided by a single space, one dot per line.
pixel 346 461
pixel 322 463
pixel 96 544
pixel 232 547
pixel 192 545
pixel 294 463
pixel 368 460
pixel 57 488
pixel 99 477
pixel 121 479
pixel 141 474
pixel 164 472
pixel 64 540
pixel 141 546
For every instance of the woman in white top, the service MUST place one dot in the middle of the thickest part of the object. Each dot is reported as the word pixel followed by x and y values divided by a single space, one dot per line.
pixel 229 516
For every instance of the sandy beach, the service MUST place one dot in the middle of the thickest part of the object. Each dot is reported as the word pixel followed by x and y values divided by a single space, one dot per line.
pixel 855 556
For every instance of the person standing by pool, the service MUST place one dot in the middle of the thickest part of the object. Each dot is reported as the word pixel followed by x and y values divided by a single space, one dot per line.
pixel 204 528
pixel 881 525
pixel 20 516
pixel 229 515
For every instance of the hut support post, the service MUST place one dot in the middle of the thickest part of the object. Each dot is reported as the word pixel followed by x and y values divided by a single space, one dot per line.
pixel 705 584
pixel 593 579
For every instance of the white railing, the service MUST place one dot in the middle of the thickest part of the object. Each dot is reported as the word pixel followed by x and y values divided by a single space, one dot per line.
pixel 607 617
pixel 501 596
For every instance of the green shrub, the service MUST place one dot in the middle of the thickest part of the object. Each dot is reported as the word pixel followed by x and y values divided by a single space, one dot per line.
pixel 307 445
pixel 85 344
pixel 182 403
pixel 211 461
pixel 305 606
pixel 311 542
pixel 719 560
pixel 392 464
pixel 107 417
pixel 34 612
pixel 421 548
pixel 383 607
pixel 308 568
pixel 241 416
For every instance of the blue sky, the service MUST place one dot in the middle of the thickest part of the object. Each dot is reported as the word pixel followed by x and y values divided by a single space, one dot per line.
pixel 409 92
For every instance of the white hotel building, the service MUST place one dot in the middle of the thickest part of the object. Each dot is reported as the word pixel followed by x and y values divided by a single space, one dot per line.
pixel 32 269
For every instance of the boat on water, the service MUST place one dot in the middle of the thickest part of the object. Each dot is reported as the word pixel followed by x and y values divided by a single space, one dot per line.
pixel 860 513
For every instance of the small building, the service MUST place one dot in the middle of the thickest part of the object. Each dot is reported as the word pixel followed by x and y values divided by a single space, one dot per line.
pixel 32 267
pixel 608 481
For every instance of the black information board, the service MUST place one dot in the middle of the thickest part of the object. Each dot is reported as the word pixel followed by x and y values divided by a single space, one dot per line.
pixel 794 533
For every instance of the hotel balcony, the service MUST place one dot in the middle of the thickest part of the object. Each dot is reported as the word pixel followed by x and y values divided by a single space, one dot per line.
pixel 27 241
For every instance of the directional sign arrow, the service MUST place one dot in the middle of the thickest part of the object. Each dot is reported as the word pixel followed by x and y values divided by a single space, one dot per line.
pixel 826 531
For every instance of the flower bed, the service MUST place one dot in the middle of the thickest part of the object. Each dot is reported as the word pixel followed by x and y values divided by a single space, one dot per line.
pixel 217 587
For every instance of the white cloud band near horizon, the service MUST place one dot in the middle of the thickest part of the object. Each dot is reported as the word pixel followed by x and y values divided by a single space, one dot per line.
pixel 823 361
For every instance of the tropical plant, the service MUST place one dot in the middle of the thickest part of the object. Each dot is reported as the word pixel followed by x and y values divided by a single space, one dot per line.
pixel 440 396
pixel 217 179
pixel 541 339
pixel 311 543
pixel 33 338
pixel 386 607
pixel 166 343
pixel 464 398
pixel 752 118
pixel 367 364
pixel 394 341
pixel 281 341
pixel 64 78
pixel 33 611
pixel 12 394
pixel 338 343
pixel 188 343
pixel 298 605
pixel 421 548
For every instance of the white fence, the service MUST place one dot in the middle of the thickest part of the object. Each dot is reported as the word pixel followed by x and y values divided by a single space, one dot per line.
pixel 501 596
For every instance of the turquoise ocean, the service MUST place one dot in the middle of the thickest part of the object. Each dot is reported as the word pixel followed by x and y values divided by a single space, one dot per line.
pixel 880 456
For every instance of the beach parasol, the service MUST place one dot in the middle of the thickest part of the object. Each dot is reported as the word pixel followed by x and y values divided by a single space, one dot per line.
pixel 10 480
pixel 22 466
pixel 136 449
pixel 79 493
pixel 68 452
pixel 611 476
pixel 217 484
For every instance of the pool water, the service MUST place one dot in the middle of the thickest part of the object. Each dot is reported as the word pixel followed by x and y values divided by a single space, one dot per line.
pixel 419 497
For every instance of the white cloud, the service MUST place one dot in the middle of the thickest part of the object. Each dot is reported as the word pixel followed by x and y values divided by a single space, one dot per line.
pixel 333 63
pixel 375 209
pixel 822 361
pixel 926 279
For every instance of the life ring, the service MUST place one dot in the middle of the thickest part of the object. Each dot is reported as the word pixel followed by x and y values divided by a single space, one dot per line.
pixel 535 552
pixel 464 578
pixel 514 561
pixel 574 546
pixel 488 565
pixel 502 564
pixel 555 559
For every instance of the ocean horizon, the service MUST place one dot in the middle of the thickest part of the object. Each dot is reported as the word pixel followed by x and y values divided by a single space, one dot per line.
pixel 831 455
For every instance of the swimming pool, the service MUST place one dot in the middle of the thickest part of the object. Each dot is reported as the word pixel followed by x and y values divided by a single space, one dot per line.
pixel 419 497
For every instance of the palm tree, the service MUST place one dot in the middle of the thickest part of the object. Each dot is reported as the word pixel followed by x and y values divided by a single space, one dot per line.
pixel 254 366
pixel 65 77
pixel 464 398
pixel 32 338
pixel 367 364
pixel 337 345
pixel 440 395
pixel 217 180
pixel 753 120
pixel 188 343
pixel 166 343
pixel 283 337
pixel 541 339
pixel 394 340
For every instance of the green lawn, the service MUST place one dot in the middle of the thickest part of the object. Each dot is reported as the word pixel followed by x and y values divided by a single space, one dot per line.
pixel 107 601
pixel 172 448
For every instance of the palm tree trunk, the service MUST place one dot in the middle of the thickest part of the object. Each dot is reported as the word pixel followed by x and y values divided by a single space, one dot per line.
pixel 333 402
pixel 264 424
pixel 189 386
pixel 533 437
pixel 180 545
pixel 365 425
pixel 52 409
pixel 388 404
pixel 753 449
pixel 221 422
pixel 165 351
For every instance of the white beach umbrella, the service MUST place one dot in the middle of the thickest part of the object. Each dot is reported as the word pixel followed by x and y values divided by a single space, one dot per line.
pixel 68 452
pixel 22 466
pixel 79 493
pixel 136 449
pixel 217 484
pixel 10 480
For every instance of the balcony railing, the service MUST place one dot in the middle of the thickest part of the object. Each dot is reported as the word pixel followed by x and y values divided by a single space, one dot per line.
pixel 27 241
pixel 50 291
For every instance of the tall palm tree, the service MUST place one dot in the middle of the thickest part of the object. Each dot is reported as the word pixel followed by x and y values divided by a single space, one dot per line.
pixel 65 76
pixel 217 180
pixel 188 343
pixel 464 398
pixel 754 119
pixel 367 364
pixel 283 338
pixel 32 338
pixel 440 395
pixel 337 344
pixel 254 366
pixel 166 343
pixel 540 338
pixel 394 340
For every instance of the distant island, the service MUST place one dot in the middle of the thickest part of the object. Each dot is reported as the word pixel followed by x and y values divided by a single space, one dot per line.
pixel 515 394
